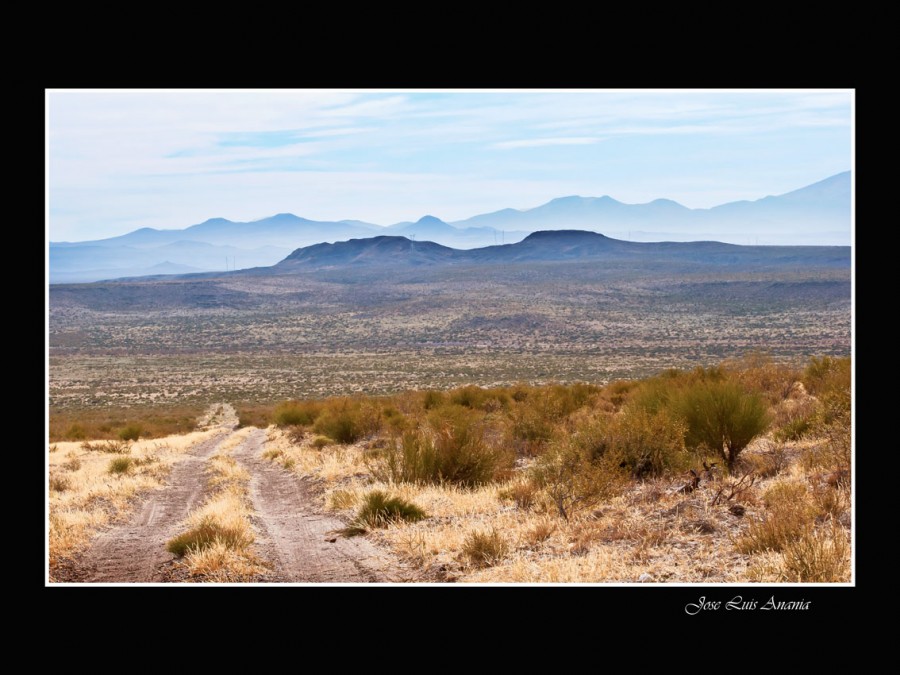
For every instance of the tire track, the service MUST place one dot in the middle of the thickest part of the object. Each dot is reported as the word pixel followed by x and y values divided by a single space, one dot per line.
pixel 135 551
pixel 297 538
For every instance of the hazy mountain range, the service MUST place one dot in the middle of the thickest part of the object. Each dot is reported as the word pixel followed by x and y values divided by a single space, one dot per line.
pixel 549 246
pixel 816 215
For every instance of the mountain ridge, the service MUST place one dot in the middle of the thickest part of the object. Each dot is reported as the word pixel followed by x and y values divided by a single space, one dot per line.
pixel 816 214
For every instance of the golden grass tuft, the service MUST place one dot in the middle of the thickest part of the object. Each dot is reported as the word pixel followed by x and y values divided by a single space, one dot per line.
pixel 95 498
pixel 217 544
pixel 484 548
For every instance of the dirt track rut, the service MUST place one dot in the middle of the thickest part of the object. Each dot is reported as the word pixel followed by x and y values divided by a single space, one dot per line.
pixel 135 551
pixel 293 536
pixel 298 539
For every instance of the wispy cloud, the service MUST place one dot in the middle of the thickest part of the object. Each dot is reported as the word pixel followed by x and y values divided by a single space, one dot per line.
pixel 171 158
pixel 545 142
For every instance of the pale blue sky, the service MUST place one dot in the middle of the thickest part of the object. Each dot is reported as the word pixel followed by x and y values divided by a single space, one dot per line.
pixel 170 159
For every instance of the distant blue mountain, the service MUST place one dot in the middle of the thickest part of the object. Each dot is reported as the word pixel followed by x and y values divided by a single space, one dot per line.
pixel 818 214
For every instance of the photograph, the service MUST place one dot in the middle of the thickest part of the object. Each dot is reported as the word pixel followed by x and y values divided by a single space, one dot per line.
pixel 451 337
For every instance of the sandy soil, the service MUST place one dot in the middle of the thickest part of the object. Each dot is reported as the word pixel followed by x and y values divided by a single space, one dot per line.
pixel 293 537
pixel 298 539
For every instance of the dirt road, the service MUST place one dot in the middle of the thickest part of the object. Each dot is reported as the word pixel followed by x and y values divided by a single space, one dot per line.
pixel 298 538
pixel 293 536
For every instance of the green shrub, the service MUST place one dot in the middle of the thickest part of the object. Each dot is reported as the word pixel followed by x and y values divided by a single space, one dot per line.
pixel 657 393
pixel 380 509
pixel 296 413
pixel 618 392
pixel 450 448
pixel 535 418
pixel 320 442
pixel 346 420
pixel 483 549
pixel 120 465
pixel 132 432
pixel 721 417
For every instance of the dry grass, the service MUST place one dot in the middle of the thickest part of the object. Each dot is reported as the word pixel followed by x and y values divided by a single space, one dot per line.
pixel 788 515
pixel 217 544
pixel 92 497
pixel 648 532
pixel 484 548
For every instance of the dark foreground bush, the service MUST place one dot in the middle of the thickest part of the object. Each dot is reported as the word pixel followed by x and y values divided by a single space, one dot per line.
pixel 205 535
pixel 380 509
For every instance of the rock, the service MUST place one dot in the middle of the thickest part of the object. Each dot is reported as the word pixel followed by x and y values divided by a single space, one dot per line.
pixel 645 577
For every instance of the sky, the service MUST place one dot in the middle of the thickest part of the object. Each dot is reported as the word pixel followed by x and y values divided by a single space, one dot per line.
pixel 121 160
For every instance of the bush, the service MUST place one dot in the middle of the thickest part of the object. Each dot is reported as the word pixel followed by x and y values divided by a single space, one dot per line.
pixel 793 430
pixel 758 373
pixel 320 442
pixel 380 509
pixel 649 443
pixel 826 374
pixel 75 432
pixel 60 483
pixel 574 479
pixel 483 549
pixel 470 396
pixel 346 420
pixel 657 393
pixel 721 417
pixel 432 399
pixel 120 465
pixel 132 432
pixel 535 418
pixel 395 421
pixel 205 535
pixel 296 413
pixel 618 392
pixel 449 448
